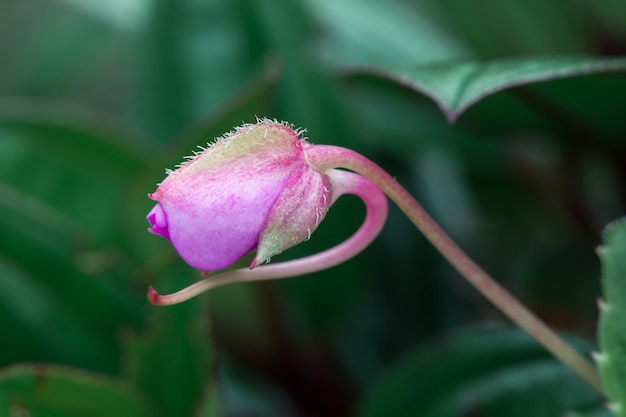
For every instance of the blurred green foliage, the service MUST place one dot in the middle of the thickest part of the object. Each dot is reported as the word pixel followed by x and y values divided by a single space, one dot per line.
pixel 98 98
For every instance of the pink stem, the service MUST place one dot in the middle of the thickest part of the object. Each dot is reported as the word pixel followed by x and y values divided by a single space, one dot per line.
pixel 343 182
pixel 325 157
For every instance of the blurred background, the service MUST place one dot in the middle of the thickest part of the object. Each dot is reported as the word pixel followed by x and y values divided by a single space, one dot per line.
pixel 97 99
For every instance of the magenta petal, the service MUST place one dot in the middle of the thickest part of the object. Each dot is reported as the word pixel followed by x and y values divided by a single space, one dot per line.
pixel 214 207
pixel 158 221
pixel 214 223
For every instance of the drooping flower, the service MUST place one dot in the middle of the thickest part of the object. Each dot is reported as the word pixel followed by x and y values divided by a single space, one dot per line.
pixel 263 187
pixel 260 187
pixel 252 188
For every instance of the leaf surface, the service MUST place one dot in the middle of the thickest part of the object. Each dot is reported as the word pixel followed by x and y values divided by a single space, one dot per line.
pixel 612 331
pixel 54 391
pixel 456 86
pixel 62 250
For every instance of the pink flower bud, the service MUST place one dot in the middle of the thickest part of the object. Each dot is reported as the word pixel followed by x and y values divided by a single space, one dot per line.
pixel 253 188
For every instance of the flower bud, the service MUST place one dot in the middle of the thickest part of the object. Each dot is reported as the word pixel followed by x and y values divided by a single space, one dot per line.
pixel 252 188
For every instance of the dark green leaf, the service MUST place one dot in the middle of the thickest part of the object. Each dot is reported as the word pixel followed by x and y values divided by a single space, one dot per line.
pixel 62 177
pixel 71 161
pixel 45 326
pixel 53 391
pixel 455 86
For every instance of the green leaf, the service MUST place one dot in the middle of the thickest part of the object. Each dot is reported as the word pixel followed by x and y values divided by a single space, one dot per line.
pixel 456 86
pixel 46 326
pixel 54 391
pixel 62 250
pixel 612 333
pixel 70 160
pixel 492 372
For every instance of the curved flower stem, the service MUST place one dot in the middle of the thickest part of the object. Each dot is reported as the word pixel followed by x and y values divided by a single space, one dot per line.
pixel 326 157
pixel 343 182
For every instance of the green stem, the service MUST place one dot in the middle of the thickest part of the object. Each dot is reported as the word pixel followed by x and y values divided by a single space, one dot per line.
pixel 327 157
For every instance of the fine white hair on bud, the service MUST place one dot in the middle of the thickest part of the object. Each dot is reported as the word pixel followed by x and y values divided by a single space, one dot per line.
pixel 251 188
